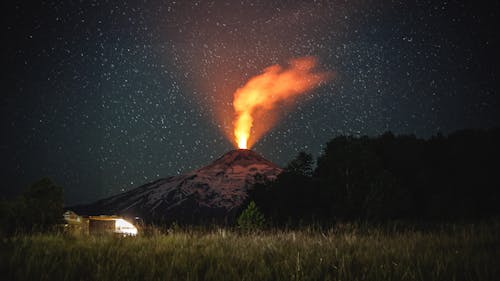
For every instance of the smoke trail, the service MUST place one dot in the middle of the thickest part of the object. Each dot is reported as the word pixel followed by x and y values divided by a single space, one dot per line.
pixel 263 92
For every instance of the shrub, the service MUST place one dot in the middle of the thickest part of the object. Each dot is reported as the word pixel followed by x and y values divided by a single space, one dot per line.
pixel 251 218
pixel 39 208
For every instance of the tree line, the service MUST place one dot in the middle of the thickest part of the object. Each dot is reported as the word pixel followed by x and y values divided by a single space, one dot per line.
pixel 454 177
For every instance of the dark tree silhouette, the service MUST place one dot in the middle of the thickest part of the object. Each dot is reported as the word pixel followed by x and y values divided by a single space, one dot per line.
pixel 301 165
pixel 39 208
pixel 389 177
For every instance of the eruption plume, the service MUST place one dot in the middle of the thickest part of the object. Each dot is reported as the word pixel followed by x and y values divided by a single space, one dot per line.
pixel 256 100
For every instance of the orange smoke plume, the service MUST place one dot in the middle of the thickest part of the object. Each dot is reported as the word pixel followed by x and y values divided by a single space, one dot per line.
pixel 256 100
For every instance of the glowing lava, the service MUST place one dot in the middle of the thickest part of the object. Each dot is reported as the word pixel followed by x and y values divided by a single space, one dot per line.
pixel 242 129
pixel 260 95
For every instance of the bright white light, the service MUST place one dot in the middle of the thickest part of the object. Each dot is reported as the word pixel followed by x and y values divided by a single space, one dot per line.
pixel 124 227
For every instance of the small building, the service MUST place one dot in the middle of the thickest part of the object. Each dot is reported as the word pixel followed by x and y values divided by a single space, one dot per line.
pixel 72 217
pixel 111 225
pixel 75 224
pixel 98 225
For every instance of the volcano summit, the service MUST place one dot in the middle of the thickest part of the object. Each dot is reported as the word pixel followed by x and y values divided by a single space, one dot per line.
pixel 214 193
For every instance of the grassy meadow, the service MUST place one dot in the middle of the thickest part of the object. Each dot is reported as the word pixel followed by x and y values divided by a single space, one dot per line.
pixel 346 252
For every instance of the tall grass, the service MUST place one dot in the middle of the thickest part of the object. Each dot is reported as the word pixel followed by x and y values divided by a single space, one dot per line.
pixel 347 252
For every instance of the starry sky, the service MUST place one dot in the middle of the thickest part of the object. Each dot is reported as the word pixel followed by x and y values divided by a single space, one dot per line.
pixel 103 96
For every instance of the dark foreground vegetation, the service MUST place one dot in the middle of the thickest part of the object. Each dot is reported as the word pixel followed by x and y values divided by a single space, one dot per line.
pixel 444 178
pixel 38 209
pixel 346 252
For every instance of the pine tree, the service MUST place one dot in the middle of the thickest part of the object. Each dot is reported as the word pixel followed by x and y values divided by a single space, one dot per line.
pixel 251 218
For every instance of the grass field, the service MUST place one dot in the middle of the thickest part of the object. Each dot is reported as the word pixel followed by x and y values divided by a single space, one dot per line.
pixel 347 252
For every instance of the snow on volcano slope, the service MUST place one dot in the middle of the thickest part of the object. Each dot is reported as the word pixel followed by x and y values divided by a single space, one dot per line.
pixel 214 192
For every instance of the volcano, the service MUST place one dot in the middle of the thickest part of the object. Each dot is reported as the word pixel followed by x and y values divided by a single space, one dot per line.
pixel 212 194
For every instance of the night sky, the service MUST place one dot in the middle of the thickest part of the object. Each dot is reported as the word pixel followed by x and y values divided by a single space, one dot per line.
pixel 103 96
